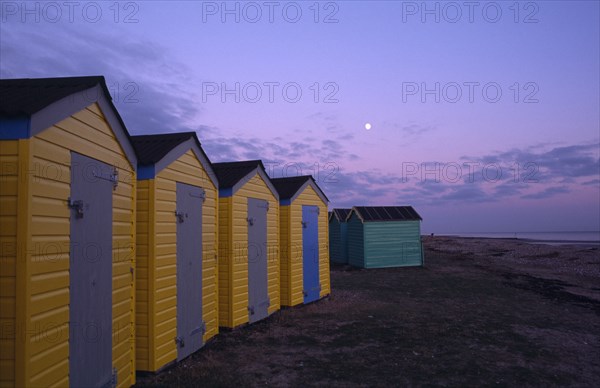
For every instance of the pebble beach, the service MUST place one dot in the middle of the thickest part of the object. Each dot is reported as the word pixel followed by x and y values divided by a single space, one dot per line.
pixel 577 263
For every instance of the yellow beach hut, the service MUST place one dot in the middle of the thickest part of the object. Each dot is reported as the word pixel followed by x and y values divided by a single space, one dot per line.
pixel 67 235
pixel 248 243
pixel 176 282
pixel 304 240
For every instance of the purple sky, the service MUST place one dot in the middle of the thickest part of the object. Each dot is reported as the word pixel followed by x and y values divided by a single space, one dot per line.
pixel 484 115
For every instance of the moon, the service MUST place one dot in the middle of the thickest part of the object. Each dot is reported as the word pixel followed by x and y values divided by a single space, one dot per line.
pixel 368 126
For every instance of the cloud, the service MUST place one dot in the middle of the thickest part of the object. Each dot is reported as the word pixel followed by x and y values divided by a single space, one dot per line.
pixel 409 132
pixel 466 194
pixel 573 161
pixel 148 87
pixel 547 193
pixel 593 182
pixel 415 130
pixel 508 189
pixel 295 154
pixel 330 123
pixel 512 175
pixel 153 92
pixel 331 144
pixel 322 116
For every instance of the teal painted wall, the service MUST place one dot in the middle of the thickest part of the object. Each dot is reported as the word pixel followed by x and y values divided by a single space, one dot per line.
pixel 355 241
pixel 392 244
pixel 344 242
pixel 338 250
pixel 335 241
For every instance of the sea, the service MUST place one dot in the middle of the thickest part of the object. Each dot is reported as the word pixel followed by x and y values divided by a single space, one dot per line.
pixel 553 238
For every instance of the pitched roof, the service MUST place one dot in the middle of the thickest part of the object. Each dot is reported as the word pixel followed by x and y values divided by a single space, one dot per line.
pixel 288 187
pixel 386 213
pixel 341 214
pixel 26 96
pixel 230 173
pixel 152 148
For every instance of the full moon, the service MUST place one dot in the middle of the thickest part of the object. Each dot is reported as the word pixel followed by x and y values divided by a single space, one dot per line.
pixel 368 126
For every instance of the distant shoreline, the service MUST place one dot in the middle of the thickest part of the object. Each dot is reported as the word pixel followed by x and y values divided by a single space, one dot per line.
pixel 562 242
pixel 587 243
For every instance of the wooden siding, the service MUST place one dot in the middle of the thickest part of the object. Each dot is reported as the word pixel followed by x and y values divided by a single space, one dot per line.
pixel 9 188
pixel 294 260
pixel 43 230
pixel 285 252
pixel 233 267
pixel 143 310
pixel 157 277
pixel 392 244
pixel 225 262
pixel 356 247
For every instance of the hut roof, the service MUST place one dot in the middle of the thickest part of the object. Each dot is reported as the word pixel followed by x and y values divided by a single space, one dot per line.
pixel 155 152
pixel 26 96
pixel 152 148
pixel 386 213
pixel 289 187
pixel 341 214
pixel 233 175
pixel 230 173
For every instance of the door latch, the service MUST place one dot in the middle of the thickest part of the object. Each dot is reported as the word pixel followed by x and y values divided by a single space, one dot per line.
pixel 180 216
pixel 199 330
pixel 115 178
pixel 250 221
pixel 266 302
pixel 202 195
pixel 112 177
pixel 179 341
pixel 304 224
pixel 77 206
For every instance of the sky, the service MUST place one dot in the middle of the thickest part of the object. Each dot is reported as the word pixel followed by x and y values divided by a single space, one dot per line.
pixel 484 116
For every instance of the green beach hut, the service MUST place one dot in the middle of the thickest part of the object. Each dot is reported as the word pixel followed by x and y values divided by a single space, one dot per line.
pixel 338 248
pixel 384 236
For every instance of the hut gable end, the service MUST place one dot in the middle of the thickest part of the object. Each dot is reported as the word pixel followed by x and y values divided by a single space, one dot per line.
pixel 30 106
pixel 157 152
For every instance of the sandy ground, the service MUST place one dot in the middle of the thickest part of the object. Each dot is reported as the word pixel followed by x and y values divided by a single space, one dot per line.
pixel 481 312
